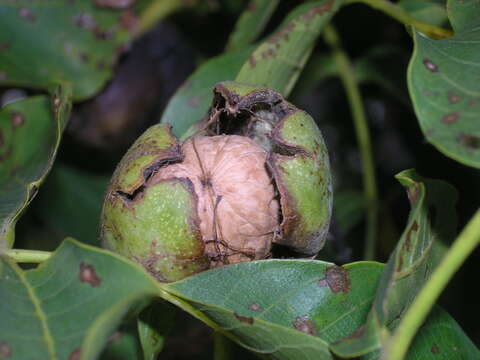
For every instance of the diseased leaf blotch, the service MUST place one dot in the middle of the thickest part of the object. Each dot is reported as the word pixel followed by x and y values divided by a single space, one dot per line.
pixel 88 274
pixel 305 325
pixel 255 307
pixel 17 119
pixel 451 118
pixel 430 66
pixel 245 319
pixel 469 141
pixel 453 98
pixel 5 350
pixel 27 14
pixel 336 278
pixel 75 354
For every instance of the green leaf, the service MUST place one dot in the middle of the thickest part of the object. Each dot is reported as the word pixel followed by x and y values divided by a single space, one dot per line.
pixel 275 306
pixel 427 11
pixel 154 324
pixel 71 202
pixel 251 23
pixel 278 61
pixel 44 43
pixel 439 337
pixel 444 84
pixel 430 228
pixel 191 101
pixel 30 132
pixel 69 305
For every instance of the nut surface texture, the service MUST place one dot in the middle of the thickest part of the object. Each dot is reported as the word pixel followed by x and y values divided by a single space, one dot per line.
pixel 236 198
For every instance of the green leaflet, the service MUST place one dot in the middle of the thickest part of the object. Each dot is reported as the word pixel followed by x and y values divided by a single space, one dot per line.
pixel 278 61
pixel 47 43
pixel 275 306
pixel 430 228
pixel 30 132
pixel 251 23
pixel 70 305
pixel 444 84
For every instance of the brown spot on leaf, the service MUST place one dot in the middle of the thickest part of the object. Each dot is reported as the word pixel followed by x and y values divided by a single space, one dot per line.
pixel 84 21
pixel 27 14
pixel 75 354
pixel 115 4
pixel 2 140
pixel 3 76
pixel 5 45
pixel 303 324
pixel 17 119
pixel 413 192
pixel 282 34
pixel 453 98
pixel 336 278
pixel 354 335
pixel 469 141
pixel 255 307
pixel 56 103
pixel 252 61
pixel 408 239
pixel 451 118
pixel 85 58
pixel 88 274
pixel 245 319
pixel 128 20
pixel 6 154
pixel 434 349
pixel 5 350
pixel 318 10
pixel 400 264
pixel 269 53
pixel 474 102
pixel 102 34
pixel 430 66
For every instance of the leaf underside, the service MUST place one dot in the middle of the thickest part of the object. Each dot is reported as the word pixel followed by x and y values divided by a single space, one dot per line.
pixel 444 84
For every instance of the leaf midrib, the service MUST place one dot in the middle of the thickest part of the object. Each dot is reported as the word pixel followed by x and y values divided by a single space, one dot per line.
pixel 39 312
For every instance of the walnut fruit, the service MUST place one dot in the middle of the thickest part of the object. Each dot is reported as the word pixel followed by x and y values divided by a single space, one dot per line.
pixel 254 172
